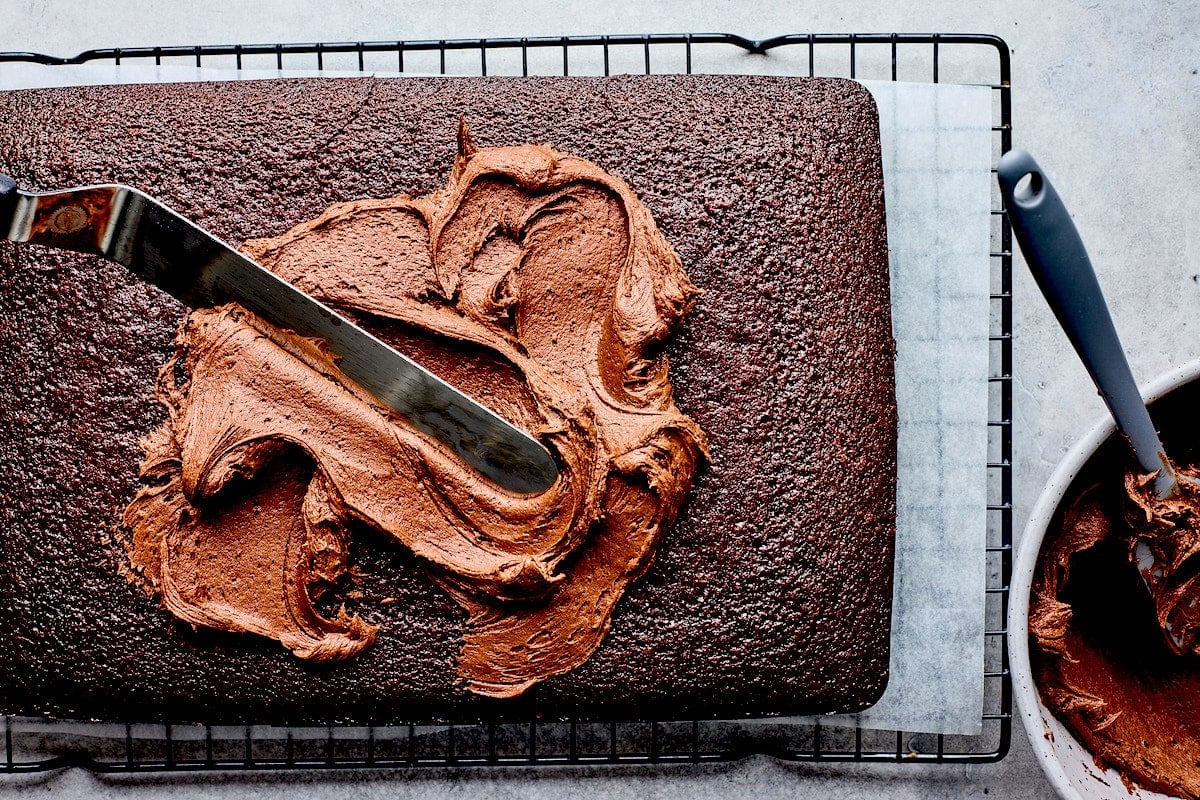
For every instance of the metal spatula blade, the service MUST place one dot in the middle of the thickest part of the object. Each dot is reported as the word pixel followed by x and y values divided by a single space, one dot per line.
pixel 160 246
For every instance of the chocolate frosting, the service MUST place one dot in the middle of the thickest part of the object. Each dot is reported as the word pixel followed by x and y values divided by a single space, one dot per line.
pixel 1102 662
pixel 1165 543
pixel 535 282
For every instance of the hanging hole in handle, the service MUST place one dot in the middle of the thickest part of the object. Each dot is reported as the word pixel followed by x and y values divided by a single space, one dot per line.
pixel 1027 189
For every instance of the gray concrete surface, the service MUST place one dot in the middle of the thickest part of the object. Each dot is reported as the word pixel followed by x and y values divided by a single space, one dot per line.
pixel 1107 96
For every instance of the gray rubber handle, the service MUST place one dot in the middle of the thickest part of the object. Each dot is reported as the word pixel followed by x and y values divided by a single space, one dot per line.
pixel 1064 273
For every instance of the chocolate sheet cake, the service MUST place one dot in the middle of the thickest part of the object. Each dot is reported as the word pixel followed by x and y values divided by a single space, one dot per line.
pixel 749 338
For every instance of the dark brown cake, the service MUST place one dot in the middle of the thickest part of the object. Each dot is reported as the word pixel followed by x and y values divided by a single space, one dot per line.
pixel 771 593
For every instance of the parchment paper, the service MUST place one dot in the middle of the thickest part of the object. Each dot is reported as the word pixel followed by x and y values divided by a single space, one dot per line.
pixel 936 158
pixel 937 155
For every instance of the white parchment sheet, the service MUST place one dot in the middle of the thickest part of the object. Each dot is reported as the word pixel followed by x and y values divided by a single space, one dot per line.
pixel 937 153
pixel 937 156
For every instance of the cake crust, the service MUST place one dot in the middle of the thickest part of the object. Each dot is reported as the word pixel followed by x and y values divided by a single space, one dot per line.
pixel 772 592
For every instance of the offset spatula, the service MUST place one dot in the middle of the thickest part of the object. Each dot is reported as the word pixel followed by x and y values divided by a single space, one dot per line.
pixel 156 244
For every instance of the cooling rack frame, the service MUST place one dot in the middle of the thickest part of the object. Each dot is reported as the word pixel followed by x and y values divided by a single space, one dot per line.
pixel 173 746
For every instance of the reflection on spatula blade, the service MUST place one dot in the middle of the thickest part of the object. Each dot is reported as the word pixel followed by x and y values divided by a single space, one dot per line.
pixel 160 246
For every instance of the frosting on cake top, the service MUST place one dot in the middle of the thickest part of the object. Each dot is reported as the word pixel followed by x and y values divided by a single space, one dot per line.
pixel 535 282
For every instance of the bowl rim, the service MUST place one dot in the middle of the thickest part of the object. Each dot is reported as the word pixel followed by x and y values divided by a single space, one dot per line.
pixel 1028 703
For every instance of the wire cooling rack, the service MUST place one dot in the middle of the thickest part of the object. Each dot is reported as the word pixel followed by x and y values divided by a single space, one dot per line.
pixel 34 745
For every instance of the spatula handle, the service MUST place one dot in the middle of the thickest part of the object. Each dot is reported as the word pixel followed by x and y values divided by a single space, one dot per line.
pixel 8 204
pixel 1061 267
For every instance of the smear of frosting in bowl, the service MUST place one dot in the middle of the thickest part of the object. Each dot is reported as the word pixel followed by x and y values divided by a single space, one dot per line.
pixel 535 282
pixel 1099 657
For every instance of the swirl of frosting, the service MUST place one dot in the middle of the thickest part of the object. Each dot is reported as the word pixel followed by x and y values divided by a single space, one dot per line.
pixel 536 282
pixel 1164 541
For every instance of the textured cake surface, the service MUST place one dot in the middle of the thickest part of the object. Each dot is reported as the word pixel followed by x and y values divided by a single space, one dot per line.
pixel 772 591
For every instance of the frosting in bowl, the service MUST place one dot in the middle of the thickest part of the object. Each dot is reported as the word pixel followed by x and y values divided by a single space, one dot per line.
pixel 1100 658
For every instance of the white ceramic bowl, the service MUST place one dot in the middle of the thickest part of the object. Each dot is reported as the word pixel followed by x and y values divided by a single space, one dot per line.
pixel 1069 766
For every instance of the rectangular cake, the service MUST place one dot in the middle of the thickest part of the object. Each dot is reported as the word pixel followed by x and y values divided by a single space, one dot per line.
pixel 680 283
